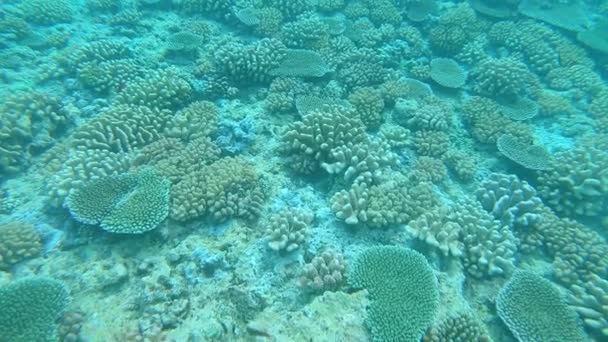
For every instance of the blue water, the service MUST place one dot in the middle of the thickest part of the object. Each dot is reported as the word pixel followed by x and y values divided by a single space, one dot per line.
pixel 306 170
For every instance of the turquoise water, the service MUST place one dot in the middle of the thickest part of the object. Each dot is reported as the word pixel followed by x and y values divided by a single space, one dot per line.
pixel 303 170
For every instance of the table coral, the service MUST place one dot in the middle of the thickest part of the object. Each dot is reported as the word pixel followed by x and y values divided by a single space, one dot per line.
pixel 130 203
pixel 29 308
pixel 534 309
pixel 403 292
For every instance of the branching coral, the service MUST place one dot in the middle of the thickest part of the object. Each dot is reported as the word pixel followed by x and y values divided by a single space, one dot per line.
pixel 393 202
pixel 18 241
pixel 287 230
pixel 438 229
pixel 369 104
pixel 249 63
pixel 591 302
pixel 47 12
pixel 161 89
pixel 31 121
pixel 460 327
pixel 122 128
pixel 576 182
pixel 496 77
pixel 224 189
pixel 489 247
pixel 310 142
pixel 403 292
pixel 325 272
pixel 509 200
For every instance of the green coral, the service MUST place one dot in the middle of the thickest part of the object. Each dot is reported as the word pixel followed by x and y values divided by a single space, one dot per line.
pixel 29 308
pixel 130 203
pixel 534 310
pixel 403 292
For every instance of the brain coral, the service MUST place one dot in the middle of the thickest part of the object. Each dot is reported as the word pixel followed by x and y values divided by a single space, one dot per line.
pixel 18 241
pixel 402 289
pixel 130 203
pixel 29 308
pixel 534 310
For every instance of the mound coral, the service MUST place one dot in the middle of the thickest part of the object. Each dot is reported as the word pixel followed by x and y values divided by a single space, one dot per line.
pixel 402 289
pixel 535 310
pixel 29 308
pixel 130 203
pixel 18 241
